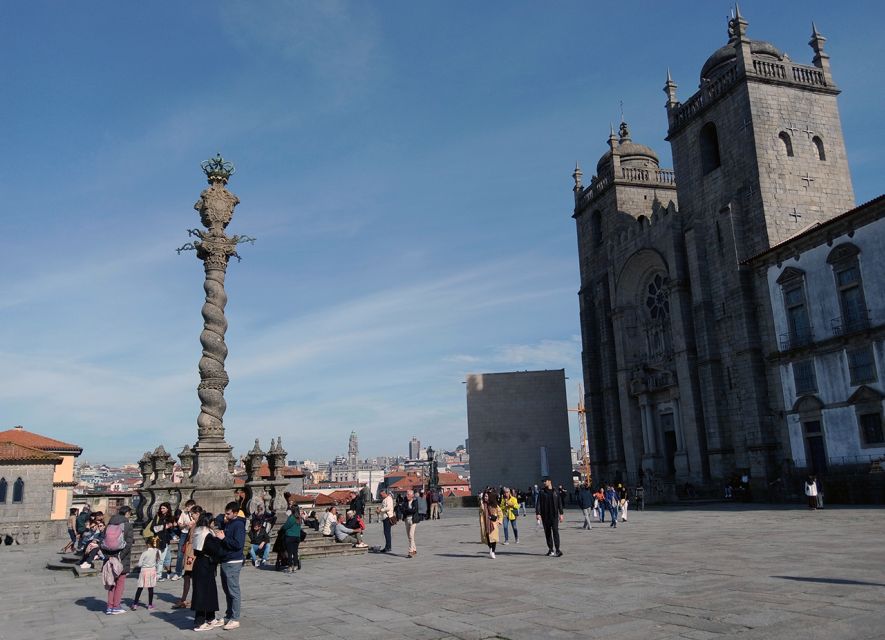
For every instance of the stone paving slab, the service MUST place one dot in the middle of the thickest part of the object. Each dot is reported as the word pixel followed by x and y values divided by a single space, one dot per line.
pixel 712 572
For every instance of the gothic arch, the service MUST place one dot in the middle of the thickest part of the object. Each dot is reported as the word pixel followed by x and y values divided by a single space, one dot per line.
pixel 638 268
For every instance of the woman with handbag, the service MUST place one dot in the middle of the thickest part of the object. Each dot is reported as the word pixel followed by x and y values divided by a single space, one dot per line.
pixel 195 512
pixel 490 517
pixel 161 529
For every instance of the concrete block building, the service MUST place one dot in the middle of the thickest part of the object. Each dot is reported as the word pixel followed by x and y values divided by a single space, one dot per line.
pixel 518 429
pixel 674 335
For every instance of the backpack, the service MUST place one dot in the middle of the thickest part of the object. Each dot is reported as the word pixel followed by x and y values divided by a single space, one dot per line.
pixel 114 539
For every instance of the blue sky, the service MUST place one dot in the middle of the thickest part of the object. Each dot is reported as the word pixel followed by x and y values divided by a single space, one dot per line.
pixel 404 166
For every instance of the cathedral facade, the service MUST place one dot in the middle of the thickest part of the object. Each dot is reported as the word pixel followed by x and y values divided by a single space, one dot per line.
pixel 677 385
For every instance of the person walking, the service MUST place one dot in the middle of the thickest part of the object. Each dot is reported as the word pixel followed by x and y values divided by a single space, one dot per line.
pixel 490 517
pixel 585 502
pixel 434 505
pixel 549 513
pixel 623 501
pixel 207 551
pixel 510 508
pixel 599 503
pixel 811 492
pixel 291 530
pixel 233 540
pixel 612 500
pixel 388 518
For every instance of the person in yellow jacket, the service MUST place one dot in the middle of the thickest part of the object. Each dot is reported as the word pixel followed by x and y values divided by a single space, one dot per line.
pixel 510 508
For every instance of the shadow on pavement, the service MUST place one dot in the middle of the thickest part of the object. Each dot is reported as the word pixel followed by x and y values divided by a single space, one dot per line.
pixel 831 581
pixel 92 604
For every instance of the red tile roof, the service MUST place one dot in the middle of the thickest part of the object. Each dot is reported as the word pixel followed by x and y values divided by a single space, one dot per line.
pixel 447 478
pixel 288 472
pixel 14 452
pixel 20 436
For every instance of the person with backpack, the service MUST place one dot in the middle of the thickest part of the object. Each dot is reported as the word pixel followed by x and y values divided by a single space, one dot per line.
pixel 148 561
pixel 117 546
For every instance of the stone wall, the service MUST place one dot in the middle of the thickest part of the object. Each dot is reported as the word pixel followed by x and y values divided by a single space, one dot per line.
pixel 38 493
pixel 33 532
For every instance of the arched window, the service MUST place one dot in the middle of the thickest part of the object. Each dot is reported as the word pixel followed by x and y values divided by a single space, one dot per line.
pixel 18 491
pixel 819 145
pixel 596 227
pixel 708 141
pixel 788 144
pixel 3 486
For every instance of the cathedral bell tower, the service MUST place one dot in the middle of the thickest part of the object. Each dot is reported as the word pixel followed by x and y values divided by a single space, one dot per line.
pixel 762 138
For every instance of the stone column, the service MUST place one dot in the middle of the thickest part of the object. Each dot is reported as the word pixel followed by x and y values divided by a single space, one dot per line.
pixel 646 446
pixel 650 422
pixel 677 425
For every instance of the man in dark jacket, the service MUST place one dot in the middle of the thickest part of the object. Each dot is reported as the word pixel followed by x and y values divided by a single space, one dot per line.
pixel 549 513
pixel 233 539
pixel 585 501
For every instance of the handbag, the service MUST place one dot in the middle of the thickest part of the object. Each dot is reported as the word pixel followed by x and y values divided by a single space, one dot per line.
pixel 303 535
pixel 392 520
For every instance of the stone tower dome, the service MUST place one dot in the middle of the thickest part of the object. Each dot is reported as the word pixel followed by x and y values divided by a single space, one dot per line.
pixel 631 154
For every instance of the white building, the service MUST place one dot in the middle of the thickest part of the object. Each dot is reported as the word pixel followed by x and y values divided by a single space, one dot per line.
pixel 826 292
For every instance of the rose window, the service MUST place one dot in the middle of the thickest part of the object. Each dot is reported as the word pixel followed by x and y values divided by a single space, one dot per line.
pixel 658 300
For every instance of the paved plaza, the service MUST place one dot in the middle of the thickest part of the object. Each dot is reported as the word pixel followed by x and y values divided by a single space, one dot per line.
pixel 702 573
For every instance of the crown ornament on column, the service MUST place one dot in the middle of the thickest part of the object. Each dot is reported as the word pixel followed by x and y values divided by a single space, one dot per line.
pixel 218 169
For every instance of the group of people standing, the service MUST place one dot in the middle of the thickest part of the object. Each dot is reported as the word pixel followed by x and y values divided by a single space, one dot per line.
pixel 608 498
pixel 411 508
pixel 209 544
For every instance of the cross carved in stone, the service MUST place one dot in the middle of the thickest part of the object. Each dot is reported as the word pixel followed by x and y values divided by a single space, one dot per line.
pixel 795 215
pixel 792 129
pixel 807 179
pixel 807 131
